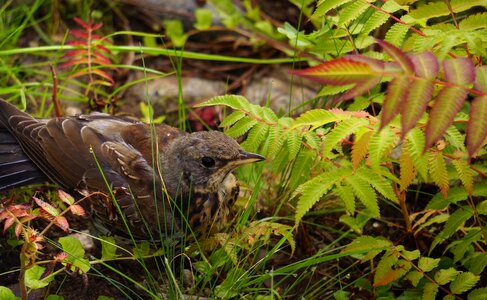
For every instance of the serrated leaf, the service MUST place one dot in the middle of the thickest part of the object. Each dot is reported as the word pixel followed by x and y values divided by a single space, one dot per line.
pixel 381 143
pixel 398 56
pixel 439 174
pixel 478 294
pixel 351 12
pixel 317 118
pixel 51 210
pixel 324 7
pixel 460 216
pixel 425 65
pixel 430 290
pixel 460 71
pixel 73 247
pixel 414 277
pixel 391 270
pixel 377 19
pixel 293 143
pixel 232 118
pixel 340 71
pixel 445 276
pixel 341 131
pixel 477 125
pixel 448 103
pixel 381 185
pixel 395 99
pixel 396 34
pixel 360 88
pixel 427 264
pixel 346 194
pixel 234 101
pixel 407 171
pixel 256 137
pixel 310 195
pixel 416 145
pixel 464 282
pixel 365 193
pixel 473 22
pixel 420 92
pixel 365 244
pixel 241 127
pixel 465 173
pixel 360 148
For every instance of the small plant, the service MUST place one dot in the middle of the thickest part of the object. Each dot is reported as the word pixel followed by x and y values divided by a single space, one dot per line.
pixel 88 59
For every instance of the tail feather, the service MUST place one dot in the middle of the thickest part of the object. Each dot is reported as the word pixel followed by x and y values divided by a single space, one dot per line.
pixel 16 169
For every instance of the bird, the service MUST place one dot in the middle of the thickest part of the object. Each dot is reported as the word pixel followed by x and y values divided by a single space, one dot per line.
pixel 154 179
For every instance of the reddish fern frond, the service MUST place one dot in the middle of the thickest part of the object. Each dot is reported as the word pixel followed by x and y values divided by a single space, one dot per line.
pixel 91 55
pixel 411 88
pixel 477 126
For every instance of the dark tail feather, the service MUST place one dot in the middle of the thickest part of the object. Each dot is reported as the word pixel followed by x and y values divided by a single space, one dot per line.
pixel 16 169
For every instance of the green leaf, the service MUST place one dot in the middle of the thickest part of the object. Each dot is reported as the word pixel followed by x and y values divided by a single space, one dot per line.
pixel 293 143
pixel 351 12
pixel 364 193
pixel 241 127
pixel 341 131
pixel 414 277
pixel 464 282
pixel 312 193
pixel 395 99
pixel 175 31
pixel 317 118
pixel 427 264
pixel 73 247
pixel 365 244
pixel 465 173
pixel 256 137
pixel 346 194
pixel 232 118
pixel 445 276
pixel 203 18
pixel 381 143
pixel 478 294
pixel 383 186
pixel 439 174
pixel 415 139
pixel 7 294
pixel 396 34
pixel 430 290
pixel 234 101
pixel 324 6
pixel 108 248
pixel 454 222
pixel 33 277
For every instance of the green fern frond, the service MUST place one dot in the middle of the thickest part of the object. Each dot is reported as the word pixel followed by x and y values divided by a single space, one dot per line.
pixel 351 12
pixel 302 166
pixel 341 131
pixel 346 194
pixel 311 194
pixel 293 143
pixel 416 141
pixel 256 136
pixel 324 6
pixel 381 143
pixel 397 34
pixel 241 127
pixel 276 139
pixel 365 193
pixel 232 118
pixel 465 173
pixel 473 22
pixel 438 172
pixel 377 182
pixel 377 19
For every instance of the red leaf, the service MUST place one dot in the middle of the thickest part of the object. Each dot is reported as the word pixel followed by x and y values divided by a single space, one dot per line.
pixel 477 125
pixel 425 64
pixel 448 103
pixel 77 210
pixel 80 52
pixel 395 98
pixel 398 56
pixel 78 43
pixel 103 48
pixel 340 71
pixel 79 34
pixel 81 23
pixel 103 74
pixel 18 229
pixel 48 208
pixel 62 223
pixel 65 197
pixel 8 223
pixel 460 71
pixel 420 92
pixel 78 61
pixel 96 26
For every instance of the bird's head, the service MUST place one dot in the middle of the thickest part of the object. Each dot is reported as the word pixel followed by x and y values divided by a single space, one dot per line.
pixel 199 162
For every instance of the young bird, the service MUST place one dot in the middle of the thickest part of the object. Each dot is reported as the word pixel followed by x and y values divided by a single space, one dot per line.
pixel 157 174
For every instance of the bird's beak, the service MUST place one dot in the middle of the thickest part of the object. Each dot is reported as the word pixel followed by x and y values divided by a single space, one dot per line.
pixel 247 157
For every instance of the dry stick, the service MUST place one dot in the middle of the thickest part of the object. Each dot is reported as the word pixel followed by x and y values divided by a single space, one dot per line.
pixel 55 100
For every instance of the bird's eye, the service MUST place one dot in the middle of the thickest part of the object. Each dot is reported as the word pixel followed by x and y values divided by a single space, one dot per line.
pixel 208 162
